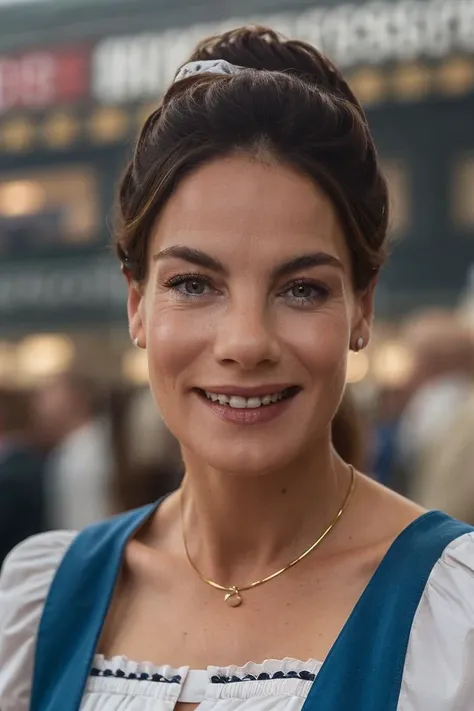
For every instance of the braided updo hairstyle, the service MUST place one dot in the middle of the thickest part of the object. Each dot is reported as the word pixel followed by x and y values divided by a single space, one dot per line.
pixel 299 111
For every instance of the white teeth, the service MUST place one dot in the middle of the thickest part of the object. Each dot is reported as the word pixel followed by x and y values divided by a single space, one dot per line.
pixel 238 402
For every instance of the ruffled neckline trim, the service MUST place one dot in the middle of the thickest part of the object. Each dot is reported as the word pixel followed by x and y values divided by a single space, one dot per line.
pixel 270 667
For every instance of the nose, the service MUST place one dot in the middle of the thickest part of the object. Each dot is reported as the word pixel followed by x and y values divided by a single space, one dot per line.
pixel 246 335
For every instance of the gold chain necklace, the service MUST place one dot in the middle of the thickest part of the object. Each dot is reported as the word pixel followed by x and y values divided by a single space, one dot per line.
pixel 233 592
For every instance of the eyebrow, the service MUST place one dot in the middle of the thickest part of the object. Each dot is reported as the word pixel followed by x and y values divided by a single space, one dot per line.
pixel 306 261
pixel 193 256
pixel 201 259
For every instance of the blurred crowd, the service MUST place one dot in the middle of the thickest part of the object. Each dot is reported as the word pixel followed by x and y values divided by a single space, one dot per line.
pixel 72 454
pixel 423 444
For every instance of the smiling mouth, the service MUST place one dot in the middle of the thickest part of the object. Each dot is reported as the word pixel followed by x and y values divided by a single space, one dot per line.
pixel 238 402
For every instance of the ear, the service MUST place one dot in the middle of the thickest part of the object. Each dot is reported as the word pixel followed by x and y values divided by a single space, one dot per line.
pixel 363 314
pixel 136 311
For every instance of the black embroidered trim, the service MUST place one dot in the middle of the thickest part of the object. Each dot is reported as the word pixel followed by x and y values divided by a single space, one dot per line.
pixel 120 674
pixel 159 678
pixel 304 675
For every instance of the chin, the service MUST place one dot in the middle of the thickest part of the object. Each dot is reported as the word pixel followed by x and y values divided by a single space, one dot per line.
pixel 252 463
pixel 249 456
pixel 248 446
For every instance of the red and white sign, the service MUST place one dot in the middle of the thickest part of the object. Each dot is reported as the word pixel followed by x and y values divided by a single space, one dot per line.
pixel 44 78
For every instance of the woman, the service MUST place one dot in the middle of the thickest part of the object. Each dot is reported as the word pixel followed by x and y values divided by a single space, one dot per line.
pixel 254 218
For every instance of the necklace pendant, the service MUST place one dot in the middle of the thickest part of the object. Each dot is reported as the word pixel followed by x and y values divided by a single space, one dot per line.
pixel 233 598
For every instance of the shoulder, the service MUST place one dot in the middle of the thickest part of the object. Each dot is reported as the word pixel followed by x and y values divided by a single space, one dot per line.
pixel 452 578
pixel 25 579
pixel 449 544
pixel 36 558
pixel 441 644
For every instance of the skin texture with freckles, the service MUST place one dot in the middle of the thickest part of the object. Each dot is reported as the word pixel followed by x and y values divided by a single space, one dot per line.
pixel 255 496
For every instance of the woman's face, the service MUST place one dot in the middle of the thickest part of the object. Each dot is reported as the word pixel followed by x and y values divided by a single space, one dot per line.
pixel 248 301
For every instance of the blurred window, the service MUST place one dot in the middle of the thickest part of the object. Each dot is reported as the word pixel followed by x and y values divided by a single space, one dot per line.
pixel 462 192
pixel 48 209
pixel 396 173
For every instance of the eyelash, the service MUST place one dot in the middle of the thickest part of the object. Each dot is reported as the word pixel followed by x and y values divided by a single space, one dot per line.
pixel 323 292
pixel 181 279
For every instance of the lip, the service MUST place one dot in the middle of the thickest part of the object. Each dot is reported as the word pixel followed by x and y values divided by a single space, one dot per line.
pixel 247 392
pixel 247 416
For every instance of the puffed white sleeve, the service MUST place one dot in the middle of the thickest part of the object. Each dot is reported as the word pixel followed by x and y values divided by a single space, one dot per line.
pixel 439 665
pixel 25 579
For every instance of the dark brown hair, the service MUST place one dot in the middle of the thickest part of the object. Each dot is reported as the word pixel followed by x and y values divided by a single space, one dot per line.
pixel 299 111
pixel 349 432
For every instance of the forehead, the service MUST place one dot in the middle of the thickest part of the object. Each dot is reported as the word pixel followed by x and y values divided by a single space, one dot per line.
pixel 238 206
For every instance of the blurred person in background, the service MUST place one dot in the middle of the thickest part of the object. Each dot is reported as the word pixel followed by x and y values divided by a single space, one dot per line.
pixel 22 502
pixel 79 468
pixel 147 455
pixel 440 383
pixel 386 463
pixel 444 466
pixel 254 224
pixel 446 470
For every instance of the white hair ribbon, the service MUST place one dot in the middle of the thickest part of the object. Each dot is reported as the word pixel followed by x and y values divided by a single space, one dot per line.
pixel 207 66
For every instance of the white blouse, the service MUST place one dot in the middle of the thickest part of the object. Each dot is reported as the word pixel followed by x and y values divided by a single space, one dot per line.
pixel 438 673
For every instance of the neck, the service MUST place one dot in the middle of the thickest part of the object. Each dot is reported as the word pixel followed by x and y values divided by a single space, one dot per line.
pixel 241 527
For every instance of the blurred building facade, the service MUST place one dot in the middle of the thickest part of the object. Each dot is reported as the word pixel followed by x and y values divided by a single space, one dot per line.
pixel 77 80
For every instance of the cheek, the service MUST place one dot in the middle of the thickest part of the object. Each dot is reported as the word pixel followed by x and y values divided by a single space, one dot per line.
pixel 321 344
pixel 174 341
